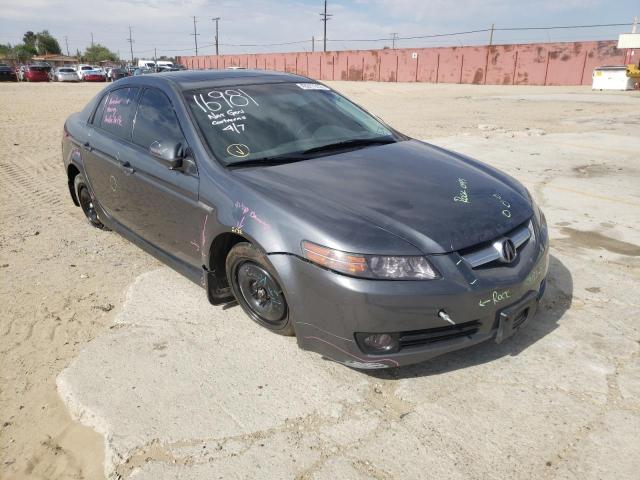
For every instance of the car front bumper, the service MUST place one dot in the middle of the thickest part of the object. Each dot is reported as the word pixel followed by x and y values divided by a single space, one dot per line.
pixel 329 308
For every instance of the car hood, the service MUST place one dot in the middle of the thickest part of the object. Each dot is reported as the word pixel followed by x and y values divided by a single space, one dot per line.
pixel 435 199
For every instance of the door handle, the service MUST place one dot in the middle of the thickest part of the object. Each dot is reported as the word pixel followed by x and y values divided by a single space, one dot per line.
pixel 127 168
pixel 87 146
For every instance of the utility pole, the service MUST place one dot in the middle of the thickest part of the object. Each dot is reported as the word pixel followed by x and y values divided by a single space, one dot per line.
pixel 195 34
pixel 325 17
pixel 491 35
pixel 155 58
pixel 394 37
pixel 66 41
pixel 216 42
pixel 313 44
pixel 130 40
pixel 92 39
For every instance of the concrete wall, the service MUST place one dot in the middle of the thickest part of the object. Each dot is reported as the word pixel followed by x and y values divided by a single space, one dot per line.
pixel 569 63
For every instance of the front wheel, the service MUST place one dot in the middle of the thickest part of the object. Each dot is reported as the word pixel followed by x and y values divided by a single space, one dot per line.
pixel 257 290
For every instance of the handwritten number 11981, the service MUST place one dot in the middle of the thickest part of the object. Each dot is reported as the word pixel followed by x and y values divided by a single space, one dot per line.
pixel 233 98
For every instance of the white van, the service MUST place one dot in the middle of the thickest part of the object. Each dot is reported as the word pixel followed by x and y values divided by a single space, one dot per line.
pixel 146 64
pixel 151 64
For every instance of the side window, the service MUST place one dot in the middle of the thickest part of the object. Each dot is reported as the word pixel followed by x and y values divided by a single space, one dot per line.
pixel 156 123
pixel 118 112
pixel 97 116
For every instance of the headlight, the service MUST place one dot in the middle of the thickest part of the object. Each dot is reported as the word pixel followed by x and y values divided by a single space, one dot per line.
pixel 541 220
pixel 389 267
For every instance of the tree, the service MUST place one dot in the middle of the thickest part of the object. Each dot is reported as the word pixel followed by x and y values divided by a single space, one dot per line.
pixel 98 53
pixel 23 52
pixel 46 43
pixel 5 50
pixel 29 39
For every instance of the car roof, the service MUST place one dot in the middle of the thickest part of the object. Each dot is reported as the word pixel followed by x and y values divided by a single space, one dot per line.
pixel 193 79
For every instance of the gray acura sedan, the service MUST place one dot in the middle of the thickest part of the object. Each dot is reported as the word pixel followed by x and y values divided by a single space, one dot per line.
pixel 376 250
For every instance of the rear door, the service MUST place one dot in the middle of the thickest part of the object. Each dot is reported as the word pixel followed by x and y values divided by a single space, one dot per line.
pixel 107 152
pixel 164 204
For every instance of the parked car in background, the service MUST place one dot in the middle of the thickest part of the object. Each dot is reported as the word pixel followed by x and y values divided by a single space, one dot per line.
pixel 82 69
pixel 94 76
pixel 34 73
pixel 65 74
pixel 179 67
pixel 7 74
pixel 116 74
pixel 375 249
pixel 142 71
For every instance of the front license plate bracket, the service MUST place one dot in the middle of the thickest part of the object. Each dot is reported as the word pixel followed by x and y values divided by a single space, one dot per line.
pixel 511 318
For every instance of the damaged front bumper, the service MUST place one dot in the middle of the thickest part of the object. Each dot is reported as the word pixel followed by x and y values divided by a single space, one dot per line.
pixel 330 309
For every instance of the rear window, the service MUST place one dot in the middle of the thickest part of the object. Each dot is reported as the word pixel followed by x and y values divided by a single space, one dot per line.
pixel 117 112
pixel 38 69
pixel 86 68
pixel 5 69
pixel 66 70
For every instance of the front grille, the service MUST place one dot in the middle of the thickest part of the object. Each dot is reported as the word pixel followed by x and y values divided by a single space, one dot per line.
pixel 488 254
pixel 416 338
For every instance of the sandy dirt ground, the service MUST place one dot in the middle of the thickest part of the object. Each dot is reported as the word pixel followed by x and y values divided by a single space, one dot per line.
pixel 111 364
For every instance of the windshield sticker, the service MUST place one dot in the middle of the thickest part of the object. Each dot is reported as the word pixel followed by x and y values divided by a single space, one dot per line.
pixel 463 196
pixel 312 86
pixel 504 204
pixel 238 150
pixel 225 108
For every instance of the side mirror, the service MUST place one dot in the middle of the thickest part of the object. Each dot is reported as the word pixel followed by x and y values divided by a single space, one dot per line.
pixel 170 153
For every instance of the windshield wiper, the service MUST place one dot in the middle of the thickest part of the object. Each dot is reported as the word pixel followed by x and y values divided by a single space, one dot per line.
pixel 356 142
pixel 304 155
pixel 275 160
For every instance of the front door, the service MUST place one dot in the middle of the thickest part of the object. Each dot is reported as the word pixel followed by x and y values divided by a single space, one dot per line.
pixel 164 204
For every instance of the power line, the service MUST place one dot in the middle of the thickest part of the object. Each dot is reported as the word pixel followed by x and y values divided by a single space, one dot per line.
pixel 394 38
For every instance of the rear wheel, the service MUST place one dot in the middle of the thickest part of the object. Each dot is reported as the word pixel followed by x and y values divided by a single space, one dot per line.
pixel 257 290
pixel 86 202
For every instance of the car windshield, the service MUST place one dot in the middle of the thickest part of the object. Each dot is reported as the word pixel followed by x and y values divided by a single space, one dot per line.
pixel 284 121
pixel 86 68
pixel 66 70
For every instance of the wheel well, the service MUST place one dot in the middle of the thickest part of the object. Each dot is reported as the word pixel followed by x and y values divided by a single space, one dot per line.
pixel 72 172
pixel 220 248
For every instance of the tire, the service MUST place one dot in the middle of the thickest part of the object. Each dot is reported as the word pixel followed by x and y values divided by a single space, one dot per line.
pixel 87 202
pixel 254 283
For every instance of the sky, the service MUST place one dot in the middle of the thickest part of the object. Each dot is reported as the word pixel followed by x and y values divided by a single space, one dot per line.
pixel 167 25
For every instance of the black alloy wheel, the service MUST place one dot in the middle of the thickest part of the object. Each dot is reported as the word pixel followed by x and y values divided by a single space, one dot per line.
pixel 86 202
pixel 257 290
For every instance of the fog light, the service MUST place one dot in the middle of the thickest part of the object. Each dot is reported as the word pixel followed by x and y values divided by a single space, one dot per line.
pixel 378 342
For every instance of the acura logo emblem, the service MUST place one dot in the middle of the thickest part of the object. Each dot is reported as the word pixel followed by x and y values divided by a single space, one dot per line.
pixel 509 252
